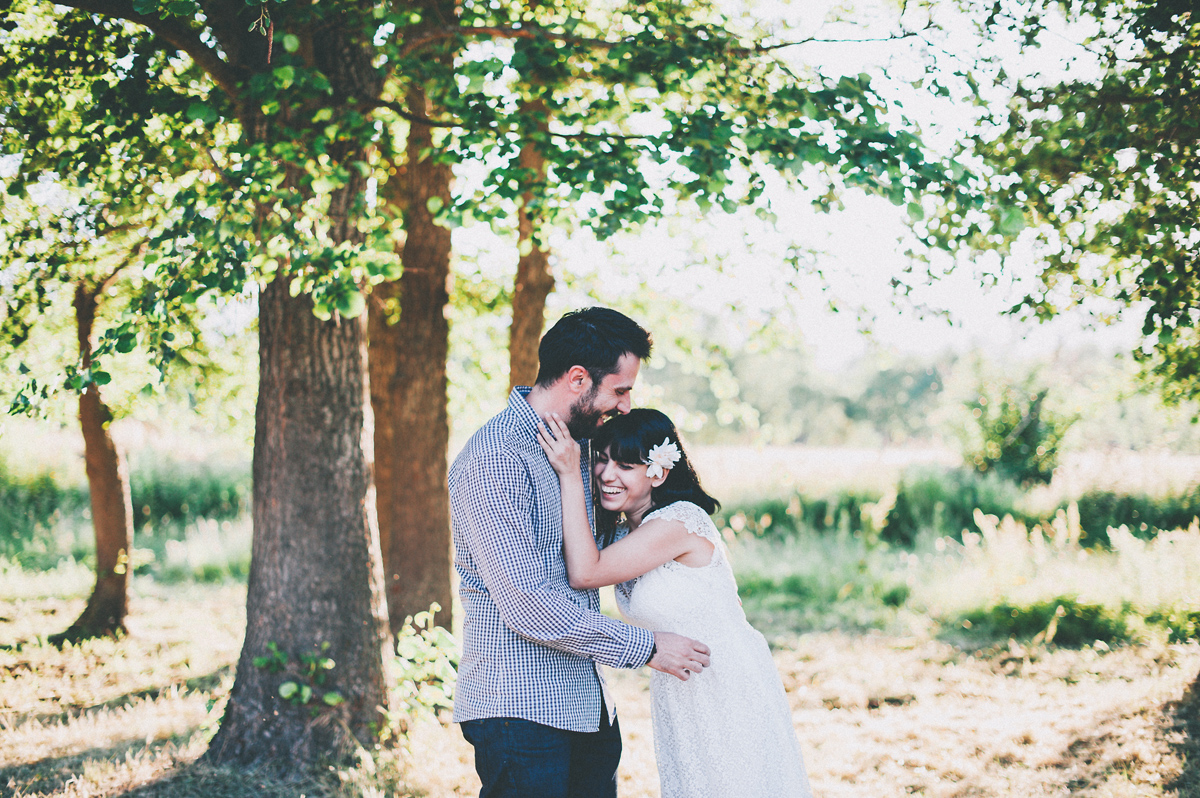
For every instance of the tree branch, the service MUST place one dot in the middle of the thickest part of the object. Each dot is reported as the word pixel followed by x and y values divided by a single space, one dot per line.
pixel 604 44
pixel 402 112
pixel 172 31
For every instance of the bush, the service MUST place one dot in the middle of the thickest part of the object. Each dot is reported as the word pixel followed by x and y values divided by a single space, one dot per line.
pixel 1062 621
pixel 1143 515
pixel 944 502
pixel 1017 438
pixel 30 507
pixel 166 491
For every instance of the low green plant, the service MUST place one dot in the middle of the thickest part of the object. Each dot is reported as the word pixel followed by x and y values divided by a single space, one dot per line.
pixel 1144 515
pixel 426 664
pixel 944 502
pixel 1062 620
pixel 166 491
pixel 307 672
pixel 809 581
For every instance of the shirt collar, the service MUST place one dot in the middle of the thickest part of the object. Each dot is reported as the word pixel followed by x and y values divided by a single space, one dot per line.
pixel 526 417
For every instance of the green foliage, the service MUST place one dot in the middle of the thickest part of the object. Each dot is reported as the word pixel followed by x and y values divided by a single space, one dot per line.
pixel 1063 621
pixel 1017 436
pixel 1181 624
pixel 38 512
pixel 1144 515
pixel 30 507
pixel 166 491
pixel 817 582
pixel 426 665
pixel 1098 167
pixel 945 501
pixel 305 676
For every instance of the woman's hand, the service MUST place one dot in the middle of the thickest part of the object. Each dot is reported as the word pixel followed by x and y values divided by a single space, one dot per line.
pixel 560 448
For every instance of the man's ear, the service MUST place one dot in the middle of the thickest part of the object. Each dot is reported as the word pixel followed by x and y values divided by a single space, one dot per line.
pixel 578 379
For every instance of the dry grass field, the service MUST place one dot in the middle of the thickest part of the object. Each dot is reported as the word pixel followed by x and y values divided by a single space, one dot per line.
pixel 876 715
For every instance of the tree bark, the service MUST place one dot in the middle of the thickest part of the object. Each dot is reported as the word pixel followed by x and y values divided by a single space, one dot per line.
pixel 314 578
pixel 534 279
pixel 408 391
pixel 108 490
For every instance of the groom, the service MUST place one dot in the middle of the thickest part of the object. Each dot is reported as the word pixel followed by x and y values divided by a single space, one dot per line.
pixel 530 697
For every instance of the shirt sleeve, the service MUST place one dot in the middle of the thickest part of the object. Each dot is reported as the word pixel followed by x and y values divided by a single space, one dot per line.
pixel 496 522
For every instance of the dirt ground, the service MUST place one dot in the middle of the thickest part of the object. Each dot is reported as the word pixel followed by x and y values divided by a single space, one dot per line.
pixel 880 716
pixel 877 716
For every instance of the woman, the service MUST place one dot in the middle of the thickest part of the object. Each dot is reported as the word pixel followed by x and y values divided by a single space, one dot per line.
pixel 725 732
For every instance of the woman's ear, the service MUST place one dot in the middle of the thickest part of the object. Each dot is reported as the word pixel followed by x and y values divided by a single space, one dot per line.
pixel 661 478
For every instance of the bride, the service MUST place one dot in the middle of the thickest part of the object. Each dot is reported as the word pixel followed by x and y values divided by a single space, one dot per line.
pixel 725 732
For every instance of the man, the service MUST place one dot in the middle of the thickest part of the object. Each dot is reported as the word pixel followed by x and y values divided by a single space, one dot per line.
pixel 529 696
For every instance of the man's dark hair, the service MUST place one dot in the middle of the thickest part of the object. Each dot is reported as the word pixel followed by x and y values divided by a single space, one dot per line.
pixel 594 338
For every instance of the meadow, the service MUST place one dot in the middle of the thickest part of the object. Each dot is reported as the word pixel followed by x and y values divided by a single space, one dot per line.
pixel 1010 658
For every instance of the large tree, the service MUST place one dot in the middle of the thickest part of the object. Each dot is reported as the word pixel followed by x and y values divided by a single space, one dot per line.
pixel 314 587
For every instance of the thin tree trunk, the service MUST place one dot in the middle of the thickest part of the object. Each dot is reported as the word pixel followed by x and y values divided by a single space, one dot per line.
pixel 534 279
pixel 108 490
pixel 408 392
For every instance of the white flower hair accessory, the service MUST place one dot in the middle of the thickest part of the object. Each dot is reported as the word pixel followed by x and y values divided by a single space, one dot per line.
pixel 663 456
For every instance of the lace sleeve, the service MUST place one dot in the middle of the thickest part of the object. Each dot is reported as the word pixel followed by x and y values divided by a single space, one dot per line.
pixel 692 516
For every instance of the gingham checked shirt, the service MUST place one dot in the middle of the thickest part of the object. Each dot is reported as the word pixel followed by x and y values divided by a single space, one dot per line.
pixel 530 641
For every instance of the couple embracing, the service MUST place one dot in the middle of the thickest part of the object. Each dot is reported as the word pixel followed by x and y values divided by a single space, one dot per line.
pixel 531 546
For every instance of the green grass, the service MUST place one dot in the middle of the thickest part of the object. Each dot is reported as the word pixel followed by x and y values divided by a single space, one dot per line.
pixel 1040 585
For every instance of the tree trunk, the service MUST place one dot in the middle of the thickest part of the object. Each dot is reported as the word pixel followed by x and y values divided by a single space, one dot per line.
pixel 108 490
pixel 534 281
pixel 314 580
pixel 408 392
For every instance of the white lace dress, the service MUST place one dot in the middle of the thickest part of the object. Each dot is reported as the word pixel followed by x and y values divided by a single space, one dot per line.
pixel 727 731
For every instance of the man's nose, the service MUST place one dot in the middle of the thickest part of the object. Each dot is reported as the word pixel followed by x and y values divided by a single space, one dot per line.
pixel 624 404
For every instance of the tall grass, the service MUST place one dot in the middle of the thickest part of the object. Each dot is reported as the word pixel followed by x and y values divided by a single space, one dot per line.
pixel 180 509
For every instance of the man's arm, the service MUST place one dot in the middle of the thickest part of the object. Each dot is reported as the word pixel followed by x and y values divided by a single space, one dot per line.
pixel 493 512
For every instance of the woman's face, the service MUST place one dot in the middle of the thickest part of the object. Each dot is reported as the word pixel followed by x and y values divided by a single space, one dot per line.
pixel 624 487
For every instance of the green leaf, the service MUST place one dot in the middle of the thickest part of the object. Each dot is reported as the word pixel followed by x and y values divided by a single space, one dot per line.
pixel 199 112
pixel 1012 221
pixel 333 698
pixel 101 377
pixel 291 42
pixel 351 305
pixel 434 204
pixel 915 211
pixel 287 690
pixel 285 76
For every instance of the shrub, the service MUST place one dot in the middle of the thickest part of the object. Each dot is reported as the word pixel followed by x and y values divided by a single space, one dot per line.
pixel 166 491
pixel 30 507
pixel 1017 437
pixel 1063 621
pixel 945 502
pixel 1143 515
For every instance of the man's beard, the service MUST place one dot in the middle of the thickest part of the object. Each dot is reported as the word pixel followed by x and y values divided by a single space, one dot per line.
pixel 584 417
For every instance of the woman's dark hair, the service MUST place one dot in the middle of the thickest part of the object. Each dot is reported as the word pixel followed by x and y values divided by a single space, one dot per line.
pixel 628 439
pixel 594 338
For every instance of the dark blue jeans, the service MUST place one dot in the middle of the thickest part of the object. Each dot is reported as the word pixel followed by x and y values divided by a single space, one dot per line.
pixel 521 759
